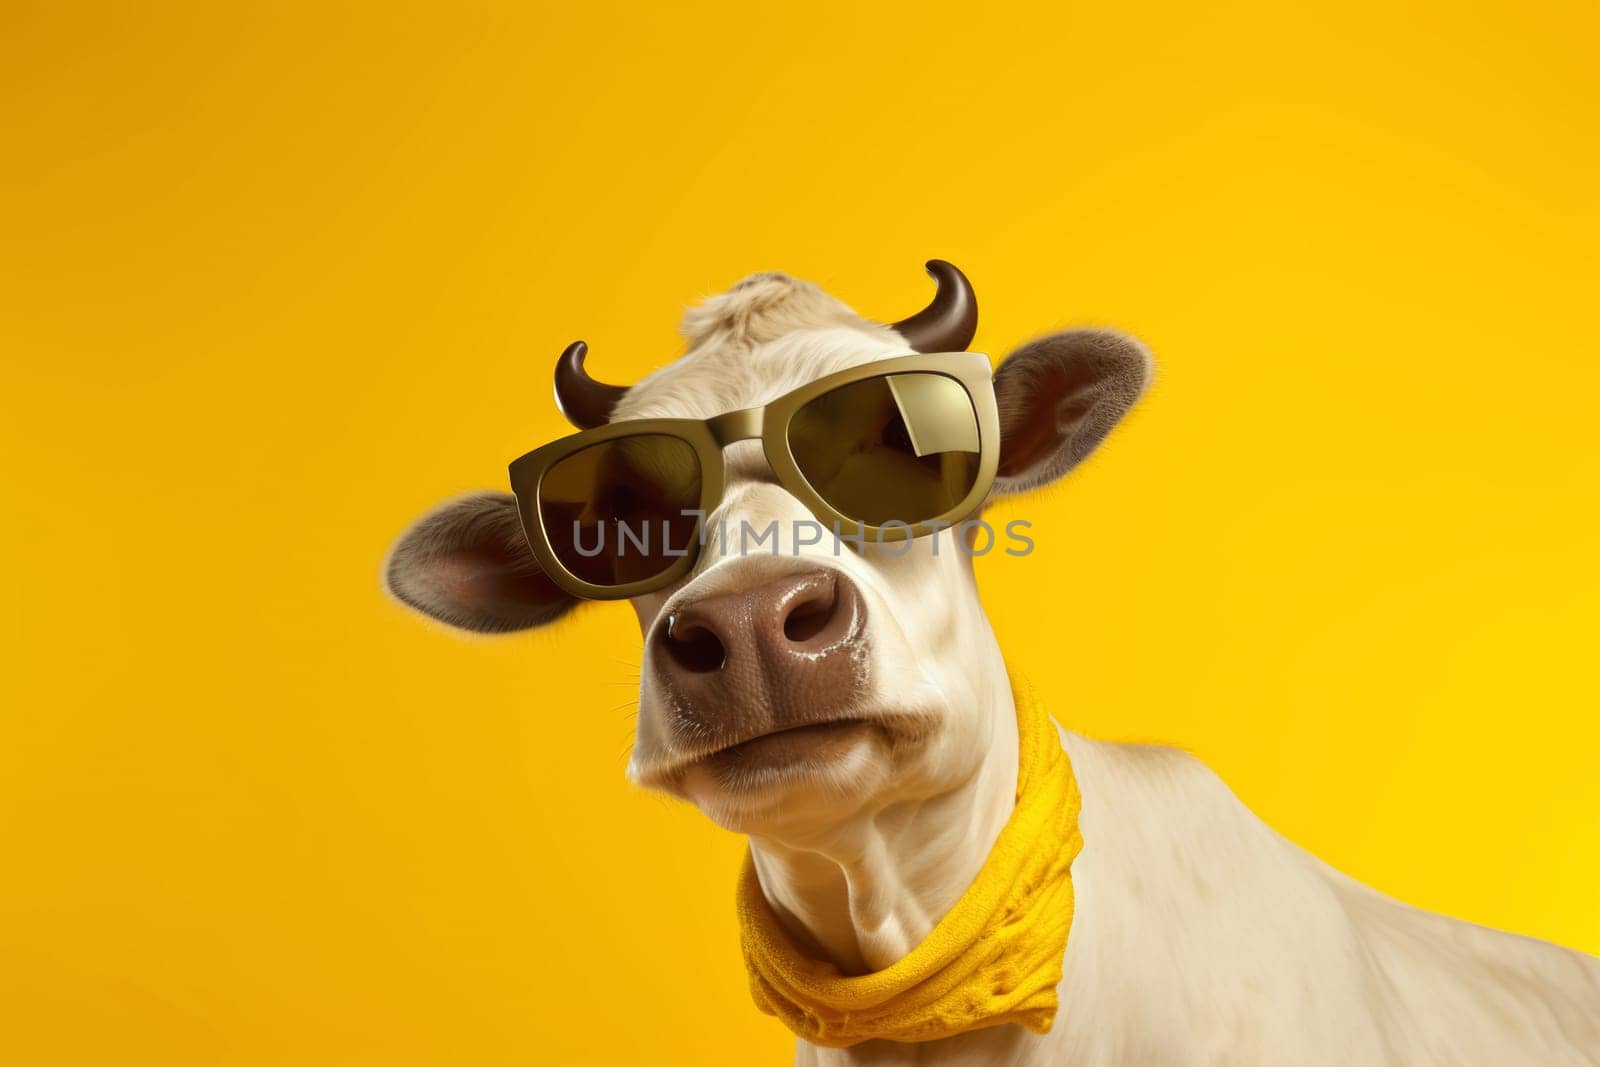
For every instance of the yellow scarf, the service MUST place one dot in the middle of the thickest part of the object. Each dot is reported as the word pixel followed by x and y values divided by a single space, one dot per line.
pixel 995 958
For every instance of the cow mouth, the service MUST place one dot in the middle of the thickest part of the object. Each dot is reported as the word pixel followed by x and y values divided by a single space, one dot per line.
pixel 784 754
pixel 816 741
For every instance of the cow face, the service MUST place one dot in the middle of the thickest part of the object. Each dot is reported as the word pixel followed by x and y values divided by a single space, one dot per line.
pixel 790 687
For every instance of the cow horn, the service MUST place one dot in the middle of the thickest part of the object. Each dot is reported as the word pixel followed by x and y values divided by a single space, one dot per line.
pixel 948 323
pixel 584 401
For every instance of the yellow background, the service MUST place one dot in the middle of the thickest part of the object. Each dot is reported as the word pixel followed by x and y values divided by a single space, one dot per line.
pixel 274 282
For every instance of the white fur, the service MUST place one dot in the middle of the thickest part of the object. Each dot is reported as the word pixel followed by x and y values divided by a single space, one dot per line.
pixel 1202 937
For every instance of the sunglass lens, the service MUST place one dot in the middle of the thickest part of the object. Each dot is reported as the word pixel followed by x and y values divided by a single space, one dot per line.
pixel 622 511
pixel 901 447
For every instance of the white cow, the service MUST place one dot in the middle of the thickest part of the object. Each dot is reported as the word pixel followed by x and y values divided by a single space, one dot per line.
pixel 873 768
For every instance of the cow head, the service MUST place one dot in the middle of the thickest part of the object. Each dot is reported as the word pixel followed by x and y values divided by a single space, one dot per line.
pixel 789 692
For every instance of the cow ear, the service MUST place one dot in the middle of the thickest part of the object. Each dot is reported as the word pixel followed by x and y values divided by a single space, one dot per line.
pixel 467 564
pixel 1059 397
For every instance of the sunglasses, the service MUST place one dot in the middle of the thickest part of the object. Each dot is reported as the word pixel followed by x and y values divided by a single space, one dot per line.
pixel 891 450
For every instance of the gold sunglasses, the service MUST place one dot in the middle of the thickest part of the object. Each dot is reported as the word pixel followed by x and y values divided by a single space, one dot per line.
pixel 890 451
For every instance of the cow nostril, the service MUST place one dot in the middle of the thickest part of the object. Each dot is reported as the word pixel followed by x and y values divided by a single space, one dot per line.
pixel 811 613
pixel 693 647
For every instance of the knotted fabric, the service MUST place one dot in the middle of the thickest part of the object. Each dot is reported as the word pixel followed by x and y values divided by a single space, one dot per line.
pixel 995 958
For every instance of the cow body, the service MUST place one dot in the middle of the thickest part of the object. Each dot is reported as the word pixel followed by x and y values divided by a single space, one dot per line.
pixel 1201 937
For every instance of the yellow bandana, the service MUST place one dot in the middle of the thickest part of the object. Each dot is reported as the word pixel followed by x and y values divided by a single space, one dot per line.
pixel 995 958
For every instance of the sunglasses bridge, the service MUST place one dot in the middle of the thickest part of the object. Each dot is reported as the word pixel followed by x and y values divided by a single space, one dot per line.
pixel 734 426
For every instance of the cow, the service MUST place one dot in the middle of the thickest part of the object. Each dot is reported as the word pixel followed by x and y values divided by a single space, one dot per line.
pixel 844 704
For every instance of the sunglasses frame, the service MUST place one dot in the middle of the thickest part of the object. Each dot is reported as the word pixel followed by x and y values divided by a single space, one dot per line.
pixel 768 423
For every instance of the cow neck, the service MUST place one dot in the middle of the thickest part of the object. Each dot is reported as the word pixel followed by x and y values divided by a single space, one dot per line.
pixel 995 955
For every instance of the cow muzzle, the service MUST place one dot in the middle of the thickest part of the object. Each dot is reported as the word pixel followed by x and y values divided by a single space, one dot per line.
pixel 764 674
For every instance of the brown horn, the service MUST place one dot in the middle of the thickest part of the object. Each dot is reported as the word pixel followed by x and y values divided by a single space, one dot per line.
pixel 585 402
pixel 948 323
